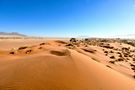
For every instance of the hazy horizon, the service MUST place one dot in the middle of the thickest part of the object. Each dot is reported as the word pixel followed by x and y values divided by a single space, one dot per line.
pixel 68 18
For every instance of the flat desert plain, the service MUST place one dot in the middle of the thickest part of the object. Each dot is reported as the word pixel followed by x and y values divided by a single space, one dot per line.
pixel 40 64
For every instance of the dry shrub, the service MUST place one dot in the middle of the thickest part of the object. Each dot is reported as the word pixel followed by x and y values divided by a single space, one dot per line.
pixel 21 48
pixel 111 52
pixel 133 59
pixel 132 65
pixel 105 51
pixel 106 54
pixel 112 62
pixel 130 55
pixel 73 40
pixel 40 47
pixel 42 44
pixel 125 55
pixel 120 55
pixel 28 51
pixel 112 57
pixel 120 59
pixel 133 68
pixel 134 76
pixel 11 52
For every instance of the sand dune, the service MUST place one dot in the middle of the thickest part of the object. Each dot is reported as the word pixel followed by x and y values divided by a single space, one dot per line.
pixel 55 67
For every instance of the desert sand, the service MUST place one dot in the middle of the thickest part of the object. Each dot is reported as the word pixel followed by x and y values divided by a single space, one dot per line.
pixel 62 65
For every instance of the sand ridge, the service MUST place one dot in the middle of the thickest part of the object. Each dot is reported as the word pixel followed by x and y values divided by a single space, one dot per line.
pixel 60 65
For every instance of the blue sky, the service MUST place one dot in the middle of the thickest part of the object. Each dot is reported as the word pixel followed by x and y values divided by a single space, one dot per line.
pixel 68 17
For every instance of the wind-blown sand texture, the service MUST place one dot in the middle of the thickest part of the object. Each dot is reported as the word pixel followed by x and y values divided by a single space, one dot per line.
pixel 61 65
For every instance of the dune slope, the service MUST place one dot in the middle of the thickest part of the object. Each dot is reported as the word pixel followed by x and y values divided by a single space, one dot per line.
pixel 60 70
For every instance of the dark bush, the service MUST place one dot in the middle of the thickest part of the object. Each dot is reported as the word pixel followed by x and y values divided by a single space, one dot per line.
pixel 20 48
pixel 111 52
pixel 112 62
pixel 12 53
pixel 133 68
pixel 133 59
pixel 133 76
pixel 121 59
pixel 42 44
pixel 105 51
pixel 73 40
pixel 112 57
pixel 28 51
pixel 132 65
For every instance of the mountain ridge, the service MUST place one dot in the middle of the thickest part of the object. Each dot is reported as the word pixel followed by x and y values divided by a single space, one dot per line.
pixel 12 34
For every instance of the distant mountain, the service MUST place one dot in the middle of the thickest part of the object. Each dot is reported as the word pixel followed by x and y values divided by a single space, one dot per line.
pixel 10 35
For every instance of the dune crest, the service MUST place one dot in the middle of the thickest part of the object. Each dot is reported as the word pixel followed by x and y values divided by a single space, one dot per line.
pixel 49 67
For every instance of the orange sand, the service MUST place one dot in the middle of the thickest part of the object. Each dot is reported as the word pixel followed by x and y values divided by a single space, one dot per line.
pixel 55 67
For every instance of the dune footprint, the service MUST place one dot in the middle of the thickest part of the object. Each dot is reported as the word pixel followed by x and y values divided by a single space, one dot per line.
pixel 60 53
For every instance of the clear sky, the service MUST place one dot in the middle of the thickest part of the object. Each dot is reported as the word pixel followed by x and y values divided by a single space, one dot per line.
pixel 68 17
